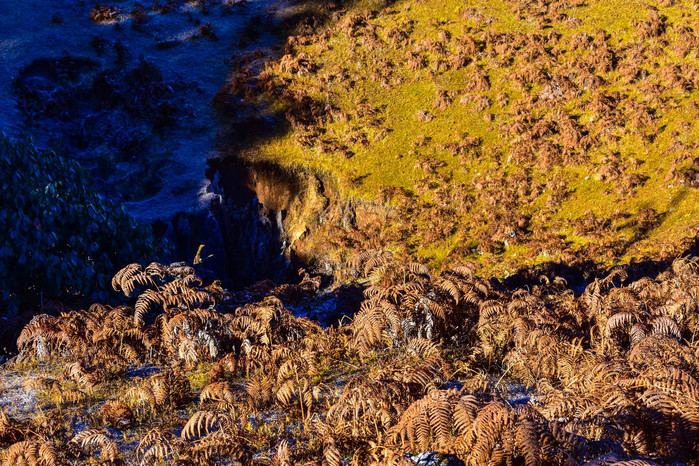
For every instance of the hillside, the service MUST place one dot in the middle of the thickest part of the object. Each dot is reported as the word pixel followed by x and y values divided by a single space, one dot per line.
pixel 509 133
pixel 482 219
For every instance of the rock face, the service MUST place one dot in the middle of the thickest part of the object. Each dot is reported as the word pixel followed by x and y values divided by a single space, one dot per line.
pixel 275 220
pixel 264 212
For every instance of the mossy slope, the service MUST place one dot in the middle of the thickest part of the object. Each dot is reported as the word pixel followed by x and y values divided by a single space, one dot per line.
pixel 508 132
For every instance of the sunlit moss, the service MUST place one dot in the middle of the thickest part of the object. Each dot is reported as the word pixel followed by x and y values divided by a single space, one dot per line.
pixel 376 119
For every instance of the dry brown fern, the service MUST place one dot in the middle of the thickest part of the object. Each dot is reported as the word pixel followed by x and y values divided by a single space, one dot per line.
pixel 91 439
pixel 219 445
pixel 116 414
pixel 221 394
pixel 202 423
pixel 157 446
pixel 31 452
pixel 11 431
pixel 404 302
pixel 194 335
pixel 161 391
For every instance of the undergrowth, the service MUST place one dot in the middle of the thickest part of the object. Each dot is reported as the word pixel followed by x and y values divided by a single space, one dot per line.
pixel 194 374
pixel 58 236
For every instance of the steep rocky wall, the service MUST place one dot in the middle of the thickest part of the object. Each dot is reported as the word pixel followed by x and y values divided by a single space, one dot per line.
pixel 274 220
pixel 263 212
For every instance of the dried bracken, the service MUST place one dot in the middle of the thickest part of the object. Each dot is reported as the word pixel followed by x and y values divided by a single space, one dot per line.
pixel 613 371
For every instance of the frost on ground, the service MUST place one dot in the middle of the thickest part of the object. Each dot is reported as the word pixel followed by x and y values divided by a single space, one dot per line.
pixel 188 43
pixel 16 395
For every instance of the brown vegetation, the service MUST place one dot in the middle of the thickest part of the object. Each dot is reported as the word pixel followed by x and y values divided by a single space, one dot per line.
pixel 427 364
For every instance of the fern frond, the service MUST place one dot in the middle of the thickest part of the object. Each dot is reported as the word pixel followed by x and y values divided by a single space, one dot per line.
pixel 31 452
pixel 220 444
pixel 666 326
pixel 218 391
pixel 98 439
pixel 202 423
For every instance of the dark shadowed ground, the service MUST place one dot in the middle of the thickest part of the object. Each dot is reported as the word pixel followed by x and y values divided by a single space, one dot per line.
pixel 145 135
